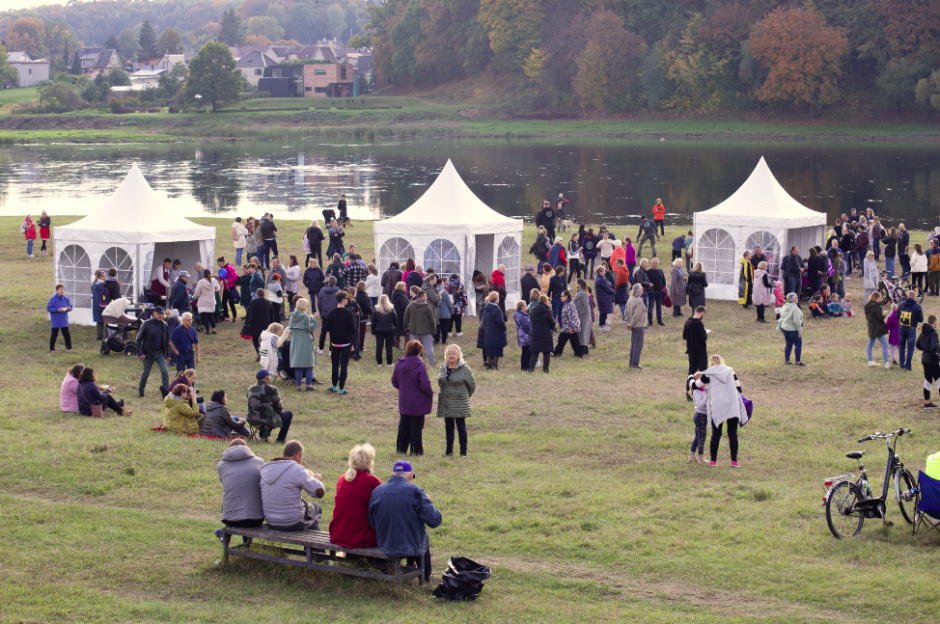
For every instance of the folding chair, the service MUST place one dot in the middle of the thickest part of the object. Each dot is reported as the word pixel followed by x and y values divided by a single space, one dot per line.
pixel 927 510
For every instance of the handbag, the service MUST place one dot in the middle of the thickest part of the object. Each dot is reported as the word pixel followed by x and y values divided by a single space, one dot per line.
pixel 748 409
pixel 96 410
pixel 667 301
pixel 234 297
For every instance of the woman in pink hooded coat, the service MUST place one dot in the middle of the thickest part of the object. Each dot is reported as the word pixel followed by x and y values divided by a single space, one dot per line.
pixel 763 291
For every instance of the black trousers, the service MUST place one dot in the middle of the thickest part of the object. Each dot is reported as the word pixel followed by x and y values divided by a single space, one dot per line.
pixel 662 226
pixel 410 430
pixel 697 363
pixel 546 360
pixel 676 253
pixel 449 424
pixel 526 356
pixel 340 359
pixel 574 266
pixel 443 330
pixel 226 303
pixel 564 338
pixel 732 439
pixel 55 336
pixel 388 340
pixel 457 318
pixel 322 334
pixel 315 252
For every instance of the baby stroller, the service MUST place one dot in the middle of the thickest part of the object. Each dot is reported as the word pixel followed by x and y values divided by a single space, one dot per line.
pixel 117 340
pixel 927 505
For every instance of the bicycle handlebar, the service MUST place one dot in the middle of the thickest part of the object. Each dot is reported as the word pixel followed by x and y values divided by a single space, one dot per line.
pixel 884 436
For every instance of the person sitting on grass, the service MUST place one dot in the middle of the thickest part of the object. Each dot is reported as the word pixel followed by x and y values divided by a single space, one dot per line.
pixel 91 394
pixel 219 421
pixel 399 511
pixel 265 410
pixel 178 415
pixel 282 481
pixel 240 474
pixel 68 391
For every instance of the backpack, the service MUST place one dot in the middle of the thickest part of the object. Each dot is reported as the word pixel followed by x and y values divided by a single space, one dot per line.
pixel 934 262
pixel 904 318
pixel 235 235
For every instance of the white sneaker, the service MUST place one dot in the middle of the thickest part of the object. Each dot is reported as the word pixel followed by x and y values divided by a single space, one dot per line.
pixel 887 364
pixel 870 363
pixel 460 333
pixel 380 366
pixel 320 351
pixel 605 328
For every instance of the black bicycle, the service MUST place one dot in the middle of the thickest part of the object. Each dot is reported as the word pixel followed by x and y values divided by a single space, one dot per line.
pixel 849 499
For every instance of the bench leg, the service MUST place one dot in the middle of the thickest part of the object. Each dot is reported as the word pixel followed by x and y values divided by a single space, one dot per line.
pixel 225 542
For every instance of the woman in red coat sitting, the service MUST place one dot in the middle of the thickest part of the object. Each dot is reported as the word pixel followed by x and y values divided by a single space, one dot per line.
pixel 349 527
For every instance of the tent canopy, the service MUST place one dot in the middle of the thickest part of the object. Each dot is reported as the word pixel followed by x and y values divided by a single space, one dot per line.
pixel 448 204
pixel 762 201
pixel 135 214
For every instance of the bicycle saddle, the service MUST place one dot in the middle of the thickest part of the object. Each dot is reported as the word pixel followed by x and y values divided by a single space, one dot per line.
pixel 855 454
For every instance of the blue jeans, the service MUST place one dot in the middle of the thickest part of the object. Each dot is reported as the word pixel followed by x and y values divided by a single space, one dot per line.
pixel 556 308
pixel 795 285
pixel 623 310
pixel 238 256
pixel 884 347
pixel 185 360
pixel 861 260
pixel 889 266
pixel 876 247
pixel 656 297
pixel 906 348
pixel 29 247
pixel 299 375
pixel 794 343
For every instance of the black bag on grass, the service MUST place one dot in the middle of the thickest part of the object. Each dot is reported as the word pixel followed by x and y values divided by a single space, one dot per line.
pixel 462 580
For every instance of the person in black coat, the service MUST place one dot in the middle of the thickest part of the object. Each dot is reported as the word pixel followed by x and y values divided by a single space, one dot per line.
pixel 153 346
pixel 545 218
pixel 415 278
pixel 400 302
pixel 556 285
pixel 528 283
pixel 817 269
pixel 340 324
pixel 696 343
pixel 495 333
pixel 384 324
pixel 390 279
pixel 314 280
pixel 315 240
pixel 543 343
pixel 260 315
pixel 929 343
pixel 696 285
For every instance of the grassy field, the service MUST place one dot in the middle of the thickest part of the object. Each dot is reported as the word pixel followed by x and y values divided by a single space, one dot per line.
pixel 15 96
pixel 408 116
pixel 576 490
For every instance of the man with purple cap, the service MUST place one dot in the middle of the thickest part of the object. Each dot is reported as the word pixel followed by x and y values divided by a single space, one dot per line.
pixel 399 511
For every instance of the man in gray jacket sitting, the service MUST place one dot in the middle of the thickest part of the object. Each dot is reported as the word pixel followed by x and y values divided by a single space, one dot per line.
pixel 240 474
pixel 282 480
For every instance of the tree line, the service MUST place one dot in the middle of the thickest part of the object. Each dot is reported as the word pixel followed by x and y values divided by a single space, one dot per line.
pixel 674 55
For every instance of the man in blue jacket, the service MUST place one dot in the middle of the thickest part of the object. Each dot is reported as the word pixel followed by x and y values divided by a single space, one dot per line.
pixel 910 314
pixel 399 511
pixel 179 298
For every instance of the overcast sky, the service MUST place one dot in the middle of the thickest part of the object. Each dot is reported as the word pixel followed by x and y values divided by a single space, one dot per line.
pixel 25 4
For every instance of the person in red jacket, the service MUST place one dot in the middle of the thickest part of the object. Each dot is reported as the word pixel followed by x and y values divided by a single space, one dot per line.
pixel 28 230
pixel 659 216
pixel 349 527
pixel 498 283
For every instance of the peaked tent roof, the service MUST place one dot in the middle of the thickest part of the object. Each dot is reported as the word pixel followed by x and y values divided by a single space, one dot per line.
pixel 763 201
pixel 448 203
pixel 135 214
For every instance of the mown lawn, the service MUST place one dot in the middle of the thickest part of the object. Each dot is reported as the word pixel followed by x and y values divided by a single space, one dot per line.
pixel 576 490
pixel 15 96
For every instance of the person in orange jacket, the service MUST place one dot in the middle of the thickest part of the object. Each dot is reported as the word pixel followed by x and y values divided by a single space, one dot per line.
pixel 659 216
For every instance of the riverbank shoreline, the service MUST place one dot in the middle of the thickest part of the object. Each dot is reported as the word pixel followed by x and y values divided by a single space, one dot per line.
pixel 403 117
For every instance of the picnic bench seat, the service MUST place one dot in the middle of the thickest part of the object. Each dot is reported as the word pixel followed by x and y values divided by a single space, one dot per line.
pixel 317 553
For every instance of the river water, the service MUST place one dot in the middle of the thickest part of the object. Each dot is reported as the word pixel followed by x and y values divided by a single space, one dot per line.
pixel 606 180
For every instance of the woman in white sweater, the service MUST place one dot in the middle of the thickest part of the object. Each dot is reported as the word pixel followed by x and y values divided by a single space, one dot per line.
pixel 239 232
pixel 204 300
pixel 373 285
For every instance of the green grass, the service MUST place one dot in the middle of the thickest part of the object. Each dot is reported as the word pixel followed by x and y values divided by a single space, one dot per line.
pixel 15 96
pixel 576 490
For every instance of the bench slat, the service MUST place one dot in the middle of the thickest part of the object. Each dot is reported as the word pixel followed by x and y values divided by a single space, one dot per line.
pixel 327 568
pixel 314 539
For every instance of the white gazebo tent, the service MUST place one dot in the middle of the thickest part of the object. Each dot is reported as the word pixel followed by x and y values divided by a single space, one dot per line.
pixel 131 230
pixel 759 213
pixel 450 230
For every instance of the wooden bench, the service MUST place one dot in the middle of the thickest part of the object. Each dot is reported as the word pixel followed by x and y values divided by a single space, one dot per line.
pixel 317 553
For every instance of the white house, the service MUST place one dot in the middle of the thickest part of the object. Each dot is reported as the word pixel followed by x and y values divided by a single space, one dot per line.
pixel 30 72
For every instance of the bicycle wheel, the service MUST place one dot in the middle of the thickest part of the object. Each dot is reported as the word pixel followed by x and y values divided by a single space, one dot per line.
pixel 841 516
pixel 905 490
pixel 885 299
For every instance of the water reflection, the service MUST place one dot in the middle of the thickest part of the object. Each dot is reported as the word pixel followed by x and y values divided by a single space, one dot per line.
pixel 606 180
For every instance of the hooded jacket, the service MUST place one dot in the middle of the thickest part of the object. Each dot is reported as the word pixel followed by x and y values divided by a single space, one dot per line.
pixel 68 394
pixel 929 343
pixel 543 323
pixel 390 279
pixel 179 417
pixel 313 280
pixel 695 336
pixel 605 294
pixel 910 314
pixel 240 474
pixel 282 481
pixel 415 395
pixel 218 422
pixel 453 400
pixel 763 294
pixel 399 511
pixel 384 323
pixel 326 300
pixel 419 318
pixel 875 318
pixel 724 400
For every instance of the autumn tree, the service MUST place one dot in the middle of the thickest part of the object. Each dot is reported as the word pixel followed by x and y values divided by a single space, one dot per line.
pixel 6 71
pixel 212 76
pixel 171 42
pixel 147 39
pixel 27 34
pixel 267 27
pixel 802 56
pixel 928 90
pixel 514 29
pixel 911 27
pixel 603 79
pixel 230 29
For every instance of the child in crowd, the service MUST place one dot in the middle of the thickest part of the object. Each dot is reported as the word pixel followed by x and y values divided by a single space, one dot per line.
pixel 818 308
pixel 778 293
pixel 835 308
pixel 699 419
pixel 276 296
pixel 894 333
pixel 847 305
pixel 591 342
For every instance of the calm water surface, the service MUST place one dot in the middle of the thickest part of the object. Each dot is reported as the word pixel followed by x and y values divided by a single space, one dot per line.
pixel 612 181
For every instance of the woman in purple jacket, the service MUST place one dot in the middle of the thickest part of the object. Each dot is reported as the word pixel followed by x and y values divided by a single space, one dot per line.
pixel 415 397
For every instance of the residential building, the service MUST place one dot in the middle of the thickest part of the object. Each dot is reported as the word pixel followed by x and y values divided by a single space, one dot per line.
pixel 283 81
pixel 29 72
pixel 253 64
pixel 318 53
pixel 96 60
pixel 328 80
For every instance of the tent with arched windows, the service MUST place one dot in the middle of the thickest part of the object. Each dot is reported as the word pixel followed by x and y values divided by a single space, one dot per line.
pixel 760 213
pixel 450 230
pixel 133 228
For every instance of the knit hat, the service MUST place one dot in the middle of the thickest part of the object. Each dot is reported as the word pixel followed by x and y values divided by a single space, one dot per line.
pixel 261 374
